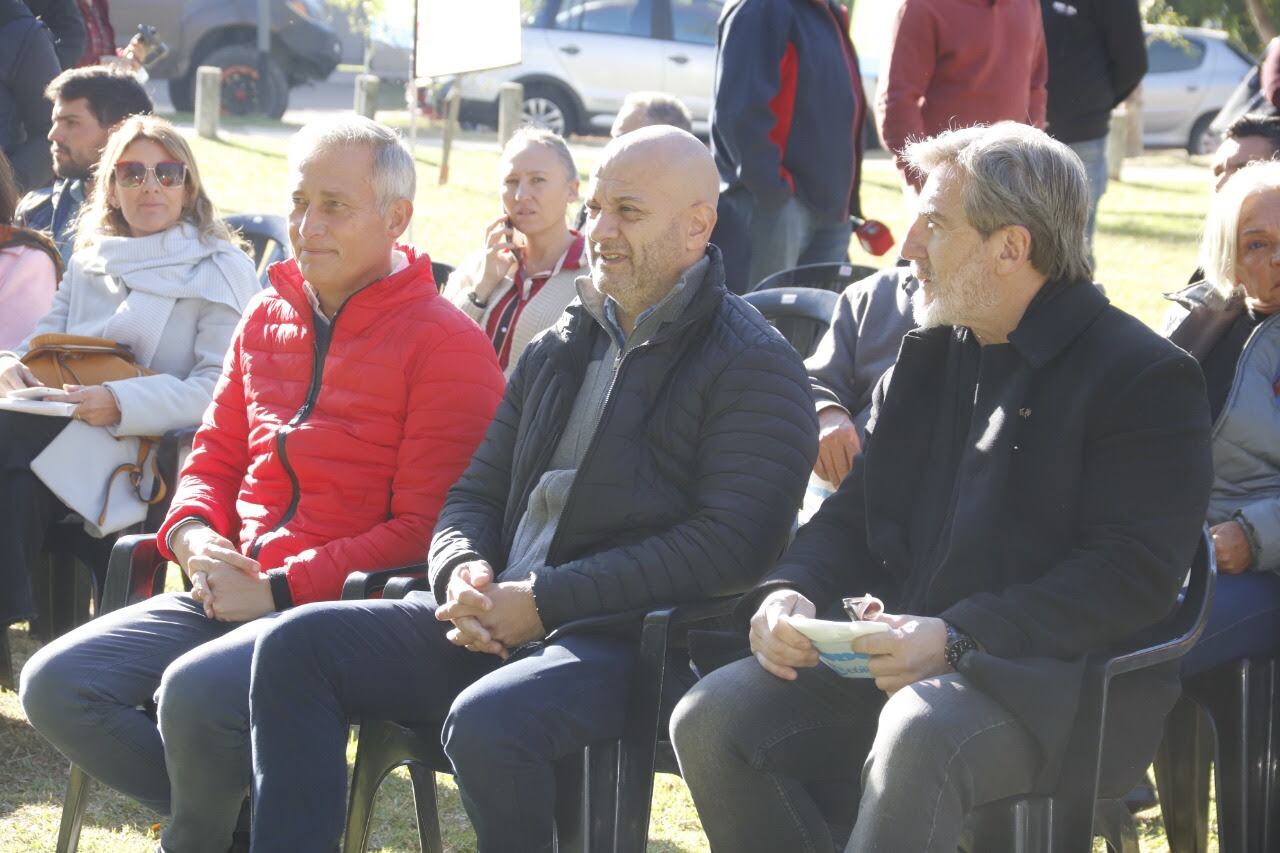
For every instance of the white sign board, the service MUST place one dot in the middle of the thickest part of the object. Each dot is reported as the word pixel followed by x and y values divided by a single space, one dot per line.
pixel 459 36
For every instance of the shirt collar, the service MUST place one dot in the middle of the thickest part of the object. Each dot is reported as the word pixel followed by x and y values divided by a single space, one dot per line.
pixel 399 261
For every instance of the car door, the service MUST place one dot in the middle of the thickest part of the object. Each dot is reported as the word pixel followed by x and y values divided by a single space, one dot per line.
pixel 689 67
pixel 606 49
pixel 1174 88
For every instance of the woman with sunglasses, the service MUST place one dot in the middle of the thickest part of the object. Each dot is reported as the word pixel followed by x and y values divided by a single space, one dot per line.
pixel 154 269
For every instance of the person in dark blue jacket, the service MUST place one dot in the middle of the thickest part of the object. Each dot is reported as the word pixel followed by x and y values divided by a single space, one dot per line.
pixel 786 132
pixel 1097 57
pixel 27 64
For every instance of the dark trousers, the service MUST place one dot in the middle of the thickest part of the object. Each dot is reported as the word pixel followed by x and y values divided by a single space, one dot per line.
pixel 90 692
pixel 756 751
pixel 505 724
pixel 27 508
pixel 1244 622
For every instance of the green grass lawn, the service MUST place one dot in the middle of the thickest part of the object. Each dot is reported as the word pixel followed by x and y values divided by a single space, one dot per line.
pixel 1148 228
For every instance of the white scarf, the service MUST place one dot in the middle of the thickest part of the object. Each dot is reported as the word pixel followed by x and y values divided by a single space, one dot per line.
pixel 162 268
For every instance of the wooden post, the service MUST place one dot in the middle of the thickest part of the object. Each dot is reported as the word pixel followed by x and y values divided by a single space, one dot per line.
pixel 510 99
pixel 450 127
pixel 208 100
pixel 1117 142
pixel 1133 113
pixel 366 103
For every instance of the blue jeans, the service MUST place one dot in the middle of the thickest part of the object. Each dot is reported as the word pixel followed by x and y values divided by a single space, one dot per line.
pixel 774 765
pixel 89 693
pixel 1093 153
pixel 1244 622
pixel 505 724
pixel 789 236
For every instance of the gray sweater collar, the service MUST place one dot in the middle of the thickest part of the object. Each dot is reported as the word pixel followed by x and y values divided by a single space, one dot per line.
pixel 604 309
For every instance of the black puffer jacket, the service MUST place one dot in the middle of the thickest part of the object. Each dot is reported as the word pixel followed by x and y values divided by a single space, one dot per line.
pixel 692 478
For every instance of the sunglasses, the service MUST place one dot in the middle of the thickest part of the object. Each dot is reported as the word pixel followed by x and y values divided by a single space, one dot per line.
pixel 131 174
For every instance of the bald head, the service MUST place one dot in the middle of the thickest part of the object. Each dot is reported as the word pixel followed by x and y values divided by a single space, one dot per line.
pixel 671 156
pixel 651 211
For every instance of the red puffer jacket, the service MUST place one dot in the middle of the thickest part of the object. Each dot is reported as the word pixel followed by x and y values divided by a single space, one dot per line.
pixel 329 450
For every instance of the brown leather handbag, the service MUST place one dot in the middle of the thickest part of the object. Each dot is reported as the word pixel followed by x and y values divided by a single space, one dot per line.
pixel 59 359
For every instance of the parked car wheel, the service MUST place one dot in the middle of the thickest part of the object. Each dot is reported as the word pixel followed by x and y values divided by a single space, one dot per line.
pixel 1202 139
pixel 549 107
pixel 245 91
pixel 182 93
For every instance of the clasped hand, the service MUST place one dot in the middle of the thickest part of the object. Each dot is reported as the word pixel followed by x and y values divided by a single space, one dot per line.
pixel 912 649
pixel 230 586
pixel 488 616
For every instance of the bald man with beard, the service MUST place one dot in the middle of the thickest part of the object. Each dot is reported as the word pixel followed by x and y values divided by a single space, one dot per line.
pixel 651 450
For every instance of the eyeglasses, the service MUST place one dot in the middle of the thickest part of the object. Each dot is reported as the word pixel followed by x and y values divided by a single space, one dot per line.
pixel 131 174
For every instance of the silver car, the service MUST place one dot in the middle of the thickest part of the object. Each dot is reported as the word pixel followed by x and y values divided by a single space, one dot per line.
pixel 582 57
pixel 1191 74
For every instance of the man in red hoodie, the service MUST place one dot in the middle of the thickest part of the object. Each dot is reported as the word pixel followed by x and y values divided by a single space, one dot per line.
pixel 955 63
pixel 351 399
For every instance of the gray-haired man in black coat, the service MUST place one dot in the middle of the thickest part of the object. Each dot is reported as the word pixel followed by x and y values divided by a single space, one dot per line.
pixel 1031 489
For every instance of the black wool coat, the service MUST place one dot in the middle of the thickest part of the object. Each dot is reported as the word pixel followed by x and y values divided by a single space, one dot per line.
pixel 689 485
pixel 1082 491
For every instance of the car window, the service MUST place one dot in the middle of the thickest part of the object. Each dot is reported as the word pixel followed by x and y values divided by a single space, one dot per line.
pixel 619 17
pixel 1173 54
pixel 695 20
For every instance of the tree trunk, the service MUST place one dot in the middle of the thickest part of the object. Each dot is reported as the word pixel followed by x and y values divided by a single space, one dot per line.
pixel 1261 17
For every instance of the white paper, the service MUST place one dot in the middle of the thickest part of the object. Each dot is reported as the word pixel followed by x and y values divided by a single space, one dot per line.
pixel 833 639
pixel 37 407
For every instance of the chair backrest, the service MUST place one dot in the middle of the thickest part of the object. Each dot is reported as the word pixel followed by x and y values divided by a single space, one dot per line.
pixel 801 314
pixel 1166 641
pixel 833 277
pixel 441 271
pixel 268 238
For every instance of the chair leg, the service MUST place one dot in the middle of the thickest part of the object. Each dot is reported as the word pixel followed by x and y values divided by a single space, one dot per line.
pixel 601 761
pixel 1182 777
pixel 73 806
pixel 6 661
pixel 1241 714
pixel 424 800
pixel 1115 823
pixel 382 747
pixel 371 767
pixel 65 590
pixel 573 809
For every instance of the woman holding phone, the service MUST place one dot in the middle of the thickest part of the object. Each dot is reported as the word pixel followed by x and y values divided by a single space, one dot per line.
pixel 521 281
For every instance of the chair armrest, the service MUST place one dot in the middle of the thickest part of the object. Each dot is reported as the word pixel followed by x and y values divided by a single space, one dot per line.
pixel 135 572
pixel 399 587
pixel 360 585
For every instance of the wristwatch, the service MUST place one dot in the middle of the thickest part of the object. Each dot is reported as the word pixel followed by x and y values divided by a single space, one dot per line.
pixel 475 300
pixel 959 644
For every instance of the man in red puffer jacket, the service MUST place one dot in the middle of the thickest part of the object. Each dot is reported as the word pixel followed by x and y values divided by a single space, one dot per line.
pixel 351 399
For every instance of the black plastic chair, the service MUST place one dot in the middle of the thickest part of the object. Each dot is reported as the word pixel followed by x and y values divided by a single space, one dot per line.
pixel 441 271
pixel 1067 820
pixel 70 574
pixel 801 314
pixel 833 277
pixel 1226 715
pixel 591 812
pixel 136 571
pixel 268 237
